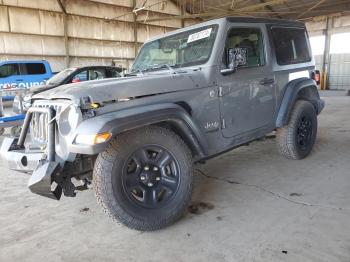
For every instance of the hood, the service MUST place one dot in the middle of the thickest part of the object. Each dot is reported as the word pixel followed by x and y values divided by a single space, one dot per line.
pixel 40 88
pixel 120 88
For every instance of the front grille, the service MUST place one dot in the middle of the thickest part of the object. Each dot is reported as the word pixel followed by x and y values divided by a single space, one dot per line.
pixel 40 123
pixel 40 127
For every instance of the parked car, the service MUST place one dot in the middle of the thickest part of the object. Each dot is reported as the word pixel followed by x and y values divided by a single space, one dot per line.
pixel 193 94
pixel 71 75
pixel 22 74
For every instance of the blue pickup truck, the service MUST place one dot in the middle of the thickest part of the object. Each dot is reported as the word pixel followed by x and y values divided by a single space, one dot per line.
pixel 22 74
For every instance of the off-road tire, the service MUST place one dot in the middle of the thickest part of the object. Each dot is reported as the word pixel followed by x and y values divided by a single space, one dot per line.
pixel 108 181
pixel 287 136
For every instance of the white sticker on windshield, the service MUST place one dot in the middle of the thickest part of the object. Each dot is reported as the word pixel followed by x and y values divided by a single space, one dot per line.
pixel 199 35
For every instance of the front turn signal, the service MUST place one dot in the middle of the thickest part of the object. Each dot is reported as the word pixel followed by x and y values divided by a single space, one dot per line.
pixel 101 138
pixel 93 139
pixel 95 105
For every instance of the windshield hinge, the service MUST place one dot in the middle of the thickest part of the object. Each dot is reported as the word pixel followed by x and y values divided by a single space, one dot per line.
pixel 221 92
pixel 223 123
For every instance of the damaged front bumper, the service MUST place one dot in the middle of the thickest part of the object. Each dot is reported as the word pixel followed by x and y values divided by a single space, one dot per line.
pixel 41 164
pixel 42 171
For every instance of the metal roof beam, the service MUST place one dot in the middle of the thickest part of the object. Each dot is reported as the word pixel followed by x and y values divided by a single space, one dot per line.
pixel 62 6
pixel 261 5
pixel 268 7
pixel 311 8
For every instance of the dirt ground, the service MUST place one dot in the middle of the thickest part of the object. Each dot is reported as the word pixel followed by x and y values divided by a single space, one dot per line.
pixel 250 204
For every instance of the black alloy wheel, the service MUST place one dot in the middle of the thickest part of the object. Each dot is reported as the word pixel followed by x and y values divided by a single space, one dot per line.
pixel 304 132
pixel 150 176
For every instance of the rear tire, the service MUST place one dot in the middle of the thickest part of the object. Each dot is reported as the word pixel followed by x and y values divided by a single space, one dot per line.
pixel 297 138
pixel 144 178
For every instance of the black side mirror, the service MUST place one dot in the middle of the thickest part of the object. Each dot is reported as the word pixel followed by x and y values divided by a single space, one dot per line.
pixel 235 57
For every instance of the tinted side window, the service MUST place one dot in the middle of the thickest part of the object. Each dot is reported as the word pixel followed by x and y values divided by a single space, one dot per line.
pixel 9 70
pixel 291 45
pixel 35 68
pixel 110 73
pixel 251 41
pixel 81 77
pixel 98 73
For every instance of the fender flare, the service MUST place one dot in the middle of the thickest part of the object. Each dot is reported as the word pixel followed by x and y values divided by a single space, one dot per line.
pixel 303 88
pixel 123 120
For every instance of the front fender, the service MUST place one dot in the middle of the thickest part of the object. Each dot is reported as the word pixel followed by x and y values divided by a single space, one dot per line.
pixel 132 118
pixel 304 89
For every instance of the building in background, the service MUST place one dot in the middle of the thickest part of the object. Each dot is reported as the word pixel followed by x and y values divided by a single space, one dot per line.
pixel 82 32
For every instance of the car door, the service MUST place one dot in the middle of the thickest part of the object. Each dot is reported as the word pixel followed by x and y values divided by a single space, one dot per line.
pixel 247 96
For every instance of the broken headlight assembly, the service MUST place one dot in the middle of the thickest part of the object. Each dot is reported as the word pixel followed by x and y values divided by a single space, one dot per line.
pixel 68 119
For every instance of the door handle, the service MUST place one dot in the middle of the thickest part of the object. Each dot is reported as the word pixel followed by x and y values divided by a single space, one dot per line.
pixel 19 80
pixel 267 81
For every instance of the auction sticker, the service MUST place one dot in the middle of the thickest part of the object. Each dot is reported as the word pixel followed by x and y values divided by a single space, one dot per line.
pixel 199 35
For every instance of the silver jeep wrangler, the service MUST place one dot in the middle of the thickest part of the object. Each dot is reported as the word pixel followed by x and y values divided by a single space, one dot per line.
pixel 192 94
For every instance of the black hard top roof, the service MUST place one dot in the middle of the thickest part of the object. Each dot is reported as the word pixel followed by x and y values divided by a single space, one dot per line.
pixel 244 19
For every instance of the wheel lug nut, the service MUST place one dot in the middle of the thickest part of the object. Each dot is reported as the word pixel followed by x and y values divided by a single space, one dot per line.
pixel 157 178
pixel 143 178
pixel 155 168
pixel 150 184
pixel 146 168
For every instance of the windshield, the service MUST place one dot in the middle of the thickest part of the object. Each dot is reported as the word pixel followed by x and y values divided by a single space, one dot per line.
pixel 184 49
pixel 58 78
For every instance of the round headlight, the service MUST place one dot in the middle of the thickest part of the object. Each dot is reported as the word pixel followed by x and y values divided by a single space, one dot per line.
pixel 16 105
pixel 27 101
pixel 68 120
pixel 27 98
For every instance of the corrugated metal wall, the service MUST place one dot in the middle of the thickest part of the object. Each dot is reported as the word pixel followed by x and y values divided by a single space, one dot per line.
pixel 339 77
pixel 339 70
pixel 339 65
pixel 97 31
pixel 318 61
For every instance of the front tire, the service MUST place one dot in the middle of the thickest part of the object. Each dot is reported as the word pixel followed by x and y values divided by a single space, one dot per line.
pixel 144 178
pixel 297 138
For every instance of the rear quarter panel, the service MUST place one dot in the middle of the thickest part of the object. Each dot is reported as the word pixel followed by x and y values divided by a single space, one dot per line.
pixel 286 73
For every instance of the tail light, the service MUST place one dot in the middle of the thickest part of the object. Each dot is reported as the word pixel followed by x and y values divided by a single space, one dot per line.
pixel 316 76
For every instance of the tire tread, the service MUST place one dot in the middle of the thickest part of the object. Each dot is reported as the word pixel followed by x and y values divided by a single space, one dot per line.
pixel 285 138
pixel 103 188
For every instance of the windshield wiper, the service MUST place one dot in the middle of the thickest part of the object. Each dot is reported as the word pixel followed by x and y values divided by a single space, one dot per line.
pixel 133 73
pixel 154 67
pixel 170 67
pixel 161 66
